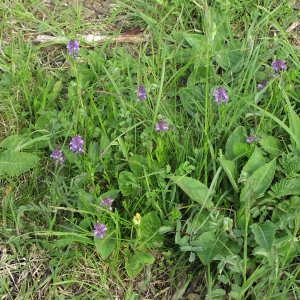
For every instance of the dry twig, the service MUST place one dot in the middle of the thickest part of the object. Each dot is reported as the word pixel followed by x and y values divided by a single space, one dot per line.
pixel 91 38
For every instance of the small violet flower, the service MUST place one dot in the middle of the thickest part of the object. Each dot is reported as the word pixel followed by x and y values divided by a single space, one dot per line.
pixel 99 230
pixel 73 48
pixel 107 202
pixel 141 93
pixel 58 156
pixel 251 139
pixel 262 85
pixel 221 95
pixel 279 65
pixel 162 126
pixel 76 144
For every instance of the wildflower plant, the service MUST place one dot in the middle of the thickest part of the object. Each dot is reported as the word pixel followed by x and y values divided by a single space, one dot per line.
pixel 213 191
pixel 251 139
pixel 221 95
pixel 76 144
pixel 58 156
pixel 141 93
pixel 279 65
pixel 73 48
pixel 100 230
pixel 107 203
pixel 162 126
pixel 262 84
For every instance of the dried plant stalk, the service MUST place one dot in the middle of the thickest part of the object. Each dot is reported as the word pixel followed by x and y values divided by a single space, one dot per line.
pixel 91 38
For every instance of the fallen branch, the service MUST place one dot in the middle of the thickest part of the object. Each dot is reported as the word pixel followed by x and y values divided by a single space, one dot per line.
pixel 91 38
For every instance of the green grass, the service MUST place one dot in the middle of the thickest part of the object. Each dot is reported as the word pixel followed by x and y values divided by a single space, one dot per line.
pixel 219 217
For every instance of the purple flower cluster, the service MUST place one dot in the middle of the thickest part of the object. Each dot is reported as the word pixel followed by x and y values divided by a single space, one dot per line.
pixel 221 95
pixel 279 65
pixel 162 126
pixel 76 144
pixel 99 230
pixel 73 48
pixel 141 93
pixel 251 139
pixel 107 203
pixel 58 156
pixel 262 85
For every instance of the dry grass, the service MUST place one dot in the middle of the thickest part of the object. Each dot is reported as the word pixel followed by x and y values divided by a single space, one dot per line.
pixel 22 274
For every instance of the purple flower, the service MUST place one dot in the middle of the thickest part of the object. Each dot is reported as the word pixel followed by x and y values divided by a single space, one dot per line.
pixel 141 93
pixel 58 156
pixel 221 95
pixel 76 144
pixel 162 126
pixel 99 230
pixel 262 85
pixel 251 139
pixel 107 202
pixel 279 65
pixel 73 48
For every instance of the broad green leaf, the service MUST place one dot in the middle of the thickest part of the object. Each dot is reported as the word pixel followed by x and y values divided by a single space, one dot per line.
pixel 19 143
pixel 138 164
pixel 229 167
pixel 105 246
pixel 137 262
pixel 236 145
pixel 271 145
pixel 195 189
pixel 11 142
pixel 128 183
pixel 166 229
pixel 231 57
pixel 209 247
pixel 149 227
pixel 15 163
pixel 85 200
pixel 67 241
pixel 196 41
pixel 264 235
pixel 109 194
pixel 255 161
pixel 206 243
pixel 258 182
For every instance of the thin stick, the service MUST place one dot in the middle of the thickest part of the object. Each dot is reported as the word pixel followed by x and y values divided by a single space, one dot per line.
pixel 91 38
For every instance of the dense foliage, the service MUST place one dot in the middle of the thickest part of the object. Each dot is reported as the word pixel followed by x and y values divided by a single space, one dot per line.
pixel 180 154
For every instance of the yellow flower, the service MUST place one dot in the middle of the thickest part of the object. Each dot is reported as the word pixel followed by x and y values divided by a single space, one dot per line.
pixel 8 189
pixel 137 219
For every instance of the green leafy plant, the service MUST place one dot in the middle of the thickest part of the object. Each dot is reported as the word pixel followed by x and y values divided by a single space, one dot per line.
pixel 14 162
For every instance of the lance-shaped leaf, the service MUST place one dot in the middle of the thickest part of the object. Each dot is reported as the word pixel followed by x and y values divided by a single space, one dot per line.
pixel 258 182
pixel 236 145
pixel 264 235
pixel 255 161
pixel 195 189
